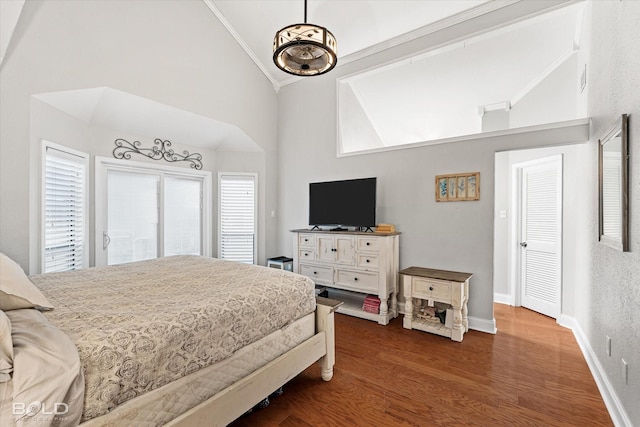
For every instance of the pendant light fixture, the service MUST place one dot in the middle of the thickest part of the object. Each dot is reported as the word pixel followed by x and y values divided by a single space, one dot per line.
pixel 305 49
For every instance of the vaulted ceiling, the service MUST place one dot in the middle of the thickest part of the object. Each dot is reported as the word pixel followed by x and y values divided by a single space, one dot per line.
pixel 366 27
pixel 359 26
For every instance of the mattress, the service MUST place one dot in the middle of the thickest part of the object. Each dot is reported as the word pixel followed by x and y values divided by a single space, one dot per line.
pixel 162 405
pixel 140 326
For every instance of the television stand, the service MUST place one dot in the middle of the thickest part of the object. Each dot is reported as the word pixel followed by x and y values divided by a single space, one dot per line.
pixel 352 265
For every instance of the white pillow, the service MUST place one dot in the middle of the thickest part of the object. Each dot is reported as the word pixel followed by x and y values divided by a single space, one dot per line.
pixel 6 348
pixel 16 290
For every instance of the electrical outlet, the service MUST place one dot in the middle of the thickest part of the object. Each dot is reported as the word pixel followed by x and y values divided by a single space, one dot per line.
pixel 625 372
pixel 608 346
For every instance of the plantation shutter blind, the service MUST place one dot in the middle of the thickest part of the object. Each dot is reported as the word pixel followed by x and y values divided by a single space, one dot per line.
pixel 65 209
pixel 237 218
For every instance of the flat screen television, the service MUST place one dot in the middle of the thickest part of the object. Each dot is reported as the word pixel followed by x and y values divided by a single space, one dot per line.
pixel 343 203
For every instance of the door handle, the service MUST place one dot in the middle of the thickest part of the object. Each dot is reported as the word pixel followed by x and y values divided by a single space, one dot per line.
pixel 523 244
pixel 105 240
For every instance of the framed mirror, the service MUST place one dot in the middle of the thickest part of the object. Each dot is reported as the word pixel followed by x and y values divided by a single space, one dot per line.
pixel 613 181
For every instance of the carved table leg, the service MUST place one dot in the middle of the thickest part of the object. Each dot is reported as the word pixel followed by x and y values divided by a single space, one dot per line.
pixel 458 328
pixel 408 313
pixel 394 304
pixel 465 318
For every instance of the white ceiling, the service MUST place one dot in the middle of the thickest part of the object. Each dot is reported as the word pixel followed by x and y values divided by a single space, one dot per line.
pixel 445 92
pixel 358 25
pixel 361 28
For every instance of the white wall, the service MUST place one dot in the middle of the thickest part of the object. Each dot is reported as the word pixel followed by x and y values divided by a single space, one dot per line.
pixel 452 236
pixel 527 111
pixel 172 52
pixel 610 304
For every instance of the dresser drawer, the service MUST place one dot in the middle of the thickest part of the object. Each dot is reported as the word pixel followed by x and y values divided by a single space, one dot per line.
pixel 367 244
pixel 306 255
pixel 367 261
pixel 318 273
pixel 306 240
pixel 357 280
pixel 431 289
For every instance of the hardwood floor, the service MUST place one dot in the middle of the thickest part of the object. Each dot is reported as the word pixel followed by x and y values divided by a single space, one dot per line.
pixel 531 373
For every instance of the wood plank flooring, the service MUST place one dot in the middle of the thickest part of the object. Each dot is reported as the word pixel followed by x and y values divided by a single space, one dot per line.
pixel 531 373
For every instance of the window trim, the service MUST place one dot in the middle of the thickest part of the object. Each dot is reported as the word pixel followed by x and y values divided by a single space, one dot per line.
pixel 46 144
pixel 254 175
pixel 103 164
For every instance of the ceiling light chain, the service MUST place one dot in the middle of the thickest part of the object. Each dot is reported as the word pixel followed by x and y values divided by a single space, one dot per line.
pixel 305 49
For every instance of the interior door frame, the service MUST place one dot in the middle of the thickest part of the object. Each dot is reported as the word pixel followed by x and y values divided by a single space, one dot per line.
pixel 515 225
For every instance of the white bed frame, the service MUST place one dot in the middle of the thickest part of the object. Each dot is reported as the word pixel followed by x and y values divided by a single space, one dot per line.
pixel 238 398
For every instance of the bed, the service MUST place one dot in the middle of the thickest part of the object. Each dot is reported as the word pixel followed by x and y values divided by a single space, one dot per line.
pixel 178 341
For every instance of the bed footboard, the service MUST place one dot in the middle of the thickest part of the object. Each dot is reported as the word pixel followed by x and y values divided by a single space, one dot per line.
pixel 325 323
pixel 238 398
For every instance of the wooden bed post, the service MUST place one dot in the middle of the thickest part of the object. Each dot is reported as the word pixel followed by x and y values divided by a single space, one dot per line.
pixel 325 323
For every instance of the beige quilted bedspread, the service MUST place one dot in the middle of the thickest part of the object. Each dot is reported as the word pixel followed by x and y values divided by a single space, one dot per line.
pixel 139 326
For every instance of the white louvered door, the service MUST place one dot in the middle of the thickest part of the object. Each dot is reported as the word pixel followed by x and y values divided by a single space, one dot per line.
pixel 541 236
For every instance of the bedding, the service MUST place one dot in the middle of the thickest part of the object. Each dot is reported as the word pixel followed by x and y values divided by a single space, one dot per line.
pixel 47 378
pixel 166 403
pixel 6 348
pixel 16 291
pixel 140 326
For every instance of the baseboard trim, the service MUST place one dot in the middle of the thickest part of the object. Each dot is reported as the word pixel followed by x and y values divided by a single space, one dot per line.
pixel 483 325
pixel 475 323
pixel 502 299
pixel 612 402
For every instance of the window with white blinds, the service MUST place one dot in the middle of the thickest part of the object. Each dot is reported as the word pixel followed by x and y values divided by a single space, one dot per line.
pixel 64 209
pixel 237 237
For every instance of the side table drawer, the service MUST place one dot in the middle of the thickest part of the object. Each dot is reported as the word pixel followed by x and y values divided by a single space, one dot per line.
pixel 431 289
pixel 322 274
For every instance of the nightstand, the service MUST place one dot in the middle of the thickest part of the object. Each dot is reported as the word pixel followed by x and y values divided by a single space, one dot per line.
pixel 423 287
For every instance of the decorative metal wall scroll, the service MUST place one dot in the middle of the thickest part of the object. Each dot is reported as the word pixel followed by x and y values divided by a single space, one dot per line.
pixel 159 151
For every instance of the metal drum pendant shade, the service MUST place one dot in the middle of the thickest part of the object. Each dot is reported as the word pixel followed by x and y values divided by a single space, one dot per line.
pixel 305 49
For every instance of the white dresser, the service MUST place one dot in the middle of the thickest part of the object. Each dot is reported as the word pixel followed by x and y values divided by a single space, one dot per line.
pixel 351 265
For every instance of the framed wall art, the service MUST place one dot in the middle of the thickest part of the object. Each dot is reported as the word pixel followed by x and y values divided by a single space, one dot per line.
pixel 458 187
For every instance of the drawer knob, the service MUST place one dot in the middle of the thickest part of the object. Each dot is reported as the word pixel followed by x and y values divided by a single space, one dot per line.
pixel 355 279
pixel 306 240
pixel 315 273
pixel 368 261
pixel 368 243
pixel 430 288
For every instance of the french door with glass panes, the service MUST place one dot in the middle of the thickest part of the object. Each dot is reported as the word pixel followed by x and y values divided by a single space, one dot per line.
pixel 149 214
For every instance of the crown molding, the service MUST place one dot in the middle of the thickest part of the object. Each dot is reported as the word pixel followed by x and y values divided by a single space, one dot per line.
pixel 232 31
